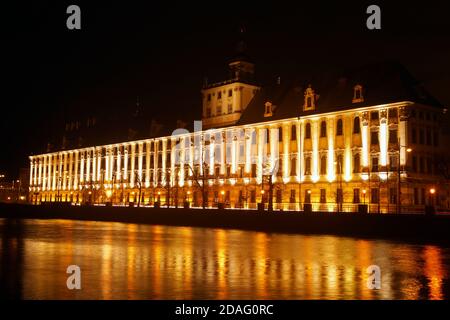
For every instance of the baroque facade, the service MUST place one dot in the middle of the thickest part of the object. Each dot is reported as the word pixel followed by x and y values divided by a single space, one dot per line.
pixel 371 136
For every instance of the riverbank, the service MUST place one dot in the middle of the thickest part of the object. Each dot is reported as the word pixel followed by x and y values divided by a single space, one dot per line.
pixel 408 227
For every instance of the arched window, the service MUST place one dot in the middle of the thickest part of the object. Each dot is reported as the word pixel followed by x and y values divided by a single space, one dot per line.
pixel 357 94
pixel 307 166
pixel 356 125
pixel 308 131
pixel 323 129
pixel 356 164
pixel 309 103
pixel 339 127
pixel 323 165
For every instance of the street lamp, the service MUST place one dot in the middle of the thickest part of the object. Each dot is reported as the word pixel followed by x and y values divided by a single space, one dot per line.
pixel 408 150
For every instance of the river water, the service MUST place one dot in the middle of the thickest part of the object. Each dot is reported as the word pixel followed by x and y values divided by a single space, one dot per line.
pixel 130 261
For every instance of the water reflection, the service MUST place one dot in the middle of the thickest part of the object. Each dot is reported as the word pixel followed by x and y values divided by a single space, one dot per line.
pixel 128 261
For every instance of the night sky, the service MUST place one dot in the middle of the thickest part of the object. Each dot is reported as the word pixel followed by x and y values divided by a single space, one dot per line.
pixel 163 52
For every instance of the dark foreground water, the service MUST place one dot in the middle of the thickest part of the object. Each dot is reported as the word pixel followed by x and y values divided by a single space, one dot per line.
pixel 129 261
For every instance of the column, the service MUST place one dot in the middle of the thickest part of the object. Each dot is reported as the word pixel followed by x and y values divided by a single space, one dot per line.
pixel 211 154
pixel 133 163
pixel 365 140
pixel 348 147
pixel 315 150
pixel 172 162
pixel 403 134
pixel 118 165
pixel 125 162
pixel 274 152
pixel 234 152
pixel 94 166
pixel 140 162
pixel 286 152
pixel 75 176
pixel 248 150
pixel 88 167
pixel 111 165
pixel 40 171
pixel 300 157
pixel 261 140
pixel 182 160
pixel 155 162
pixel 31 171
pixel 99 165
pixel 147 164
pixel 70 170
pixel 55 169
pixel 223 151
pixel 64 184
pixel 82 168
pixel 163 164
pixel 49 172
pixel 330 156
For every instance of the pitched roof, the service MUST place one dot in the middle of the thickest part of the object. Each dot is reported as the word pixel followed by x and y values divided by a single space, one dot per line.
pixel 382 83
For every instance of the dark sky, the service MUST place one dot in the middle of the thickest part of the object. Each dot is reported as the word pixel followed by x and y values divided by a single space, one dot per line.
pixel 162 52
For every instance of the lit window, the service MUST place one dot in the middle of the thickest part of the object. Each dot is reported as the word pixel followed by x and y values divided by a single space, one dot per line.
pixel 230 93
pixel 323 129
pixel 356 125
pixel 268 109
pixel 308 131
pixel 310 98
pixel 357 94
pixel 339 128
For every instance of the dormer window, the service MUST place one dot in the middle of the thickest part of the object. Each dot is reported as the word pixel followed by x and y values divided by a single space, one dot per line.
pixel 310 99
pixel 268 109
pixel 357 94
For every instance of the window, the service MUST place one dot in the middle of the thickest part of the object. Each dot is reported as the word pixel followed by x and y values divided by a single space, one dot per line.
pixel 374 115
pixel 219 95
pixel 374 195
pixel 230 93
pixel 323 196
pixel 414 136
pixel 209 97
pixel 323 165
pixel 428 136
pixel 356 125
pixel 414 163
pixel 292 197
pixel 436 138
pixel 293 167
pixel 357 94
pixel 268 109
pixel 421 136
pixel 308 166
pixel 393 136
pixel 280 134
pixel 208 112
pixel 339 128
pixel 309 103
pixel 339 196
pixel 416 196
pixel 280 167
pixel 230 108
pixel 219 110
pixel 429 166
pixel 393 162
pixel 278 196
pixel 254 170
pixel 392 113
pixel 374 138
pixel 356 196
pixel 293 132
pixel 339 164
pixel 392 195
pixel 422 195
pixel 323 129
pixel 308 131
pixel 307 196
pixel 356 164
pixel 413 113
pixel 374 164
pixel 252 196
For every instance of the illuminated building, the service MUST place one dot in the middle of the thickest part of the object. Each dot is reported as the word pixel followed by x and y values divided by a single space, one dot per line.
pixel 334 143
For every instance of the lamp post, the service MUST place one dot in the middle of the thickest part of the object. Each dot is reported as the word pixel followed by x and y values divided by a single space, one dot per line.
pixel 398 175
